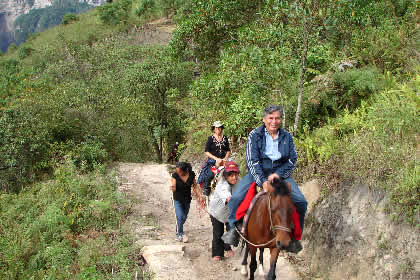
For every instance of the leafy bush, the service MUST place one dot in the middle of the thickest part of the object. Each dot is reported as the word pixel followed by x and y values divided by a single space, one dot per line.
pixel 145 7
pixel 67 228
pixel 115 13
pixel 88 156
pixel 376 144
pixel 204 31
pixel 69 18
pixel 354 85
pixel 24 51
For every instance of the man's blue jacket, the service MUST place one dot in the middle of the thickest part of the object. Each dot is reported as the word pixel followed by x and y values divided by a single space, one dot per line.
pixel 259 165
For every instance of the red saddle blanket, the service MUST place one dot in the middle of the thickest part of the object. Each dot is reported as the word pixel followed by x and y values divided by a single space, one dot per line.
pixel 244 206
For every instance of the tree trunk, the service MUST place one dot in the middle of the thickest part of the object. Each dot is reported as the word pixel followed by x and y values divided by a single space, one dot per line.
pixel 302 79
pixel 284 118
pixel 155 145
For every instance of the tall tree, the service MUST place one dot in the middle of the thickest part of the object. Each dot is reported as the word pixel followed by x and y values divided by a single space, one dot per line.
pixel 158 83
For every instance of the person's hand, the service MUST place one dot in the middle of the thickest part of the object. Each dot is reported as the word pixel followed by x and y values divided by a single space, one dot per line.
pixel 272 177
pixel 219 162
pixel 267 187
pixel 227 199
pixel 172 188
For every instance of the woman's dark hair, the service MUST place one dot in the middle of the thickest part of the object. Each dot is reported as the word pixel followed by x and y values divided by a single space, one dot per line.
pixel 227 174
pixel 213 127
pixel 184 166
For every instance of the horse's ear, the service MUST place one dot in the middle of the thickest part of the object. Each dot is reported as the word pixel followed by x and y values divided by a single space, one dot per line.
pixel 289 186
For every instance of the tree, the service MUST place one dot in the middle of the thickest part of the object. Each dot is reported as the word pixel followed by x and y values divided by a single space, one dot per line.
pixel 301 21
pixel 158 83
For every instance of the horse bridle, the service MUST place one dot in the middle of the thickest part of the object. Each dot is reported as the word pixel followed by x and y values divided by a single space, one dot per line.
pixel 273 228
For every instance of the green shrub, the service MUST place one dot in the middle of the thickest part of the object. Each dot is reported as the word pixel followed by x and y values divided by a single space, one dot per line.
pixel 353 85
pixel 24 51
pixel 115 13
pixel 89 155
pixel 69 18
pixel 67 228
pixel 145 7
pixel 376 145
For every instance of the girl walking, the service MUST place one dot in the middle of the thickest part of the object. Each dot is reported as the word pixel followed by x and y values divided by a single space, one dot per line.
pixel 182 181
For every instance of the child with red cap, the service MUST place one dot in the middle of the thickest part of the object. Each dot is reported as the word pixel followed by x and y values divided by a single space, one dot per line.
pixel 219 210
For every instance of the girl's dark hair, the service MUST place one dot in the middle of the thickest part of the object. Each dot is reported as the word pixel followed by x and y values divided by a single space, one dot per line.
pixel 184 166
pixel 227 174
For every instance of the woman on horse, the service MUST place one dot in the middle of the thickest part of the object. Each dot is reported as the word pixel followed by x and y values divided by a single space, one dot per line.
pixel 217 151
pixel 219 211
pixel 182 181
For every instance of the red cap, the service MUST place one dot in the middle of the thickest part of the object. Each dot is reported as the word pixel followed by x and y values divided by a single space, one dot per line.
pixel 231 166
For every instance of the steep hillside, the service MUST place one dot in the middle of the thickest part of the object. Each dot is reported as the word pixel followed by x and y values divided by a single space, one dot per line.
pixel 14 28
pixel 106 86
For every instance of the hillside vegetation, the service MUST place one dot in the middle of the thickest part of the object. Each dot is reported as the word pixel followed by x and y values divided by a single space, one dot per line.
pixel 78 96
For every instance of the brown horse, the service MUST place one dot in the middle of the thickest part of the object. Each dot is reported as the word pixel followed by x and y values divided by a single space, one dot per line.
pixel 269 226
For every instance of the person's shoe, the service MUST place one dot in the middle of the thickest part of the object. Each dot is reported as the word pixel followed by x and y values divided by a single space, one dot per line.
pixel 179 238
pixel 231 237
pixel 216 258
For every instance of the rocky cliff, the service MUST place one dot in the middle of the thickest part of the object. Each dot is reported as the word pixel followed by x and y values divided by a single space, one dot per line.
pixel 348 235
pixel 11 9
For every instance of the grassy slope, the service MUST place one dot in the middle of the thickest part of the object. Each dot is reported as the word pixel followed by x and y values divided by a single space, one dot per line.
pixel 87 28
pixel 68 227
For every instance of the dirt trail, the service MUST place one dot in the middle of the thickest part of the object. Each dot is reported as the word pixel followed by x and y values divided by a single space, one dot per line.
pixel 153 222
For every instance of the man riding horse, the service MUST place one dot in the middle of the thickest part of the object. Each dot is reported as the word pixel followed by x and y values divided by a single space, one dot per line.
pixel 270 154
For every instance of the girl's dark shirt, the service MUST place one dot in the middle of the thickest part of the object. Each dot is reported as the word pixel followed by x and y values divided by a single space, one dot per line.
pixel 183 190
pixel 216 148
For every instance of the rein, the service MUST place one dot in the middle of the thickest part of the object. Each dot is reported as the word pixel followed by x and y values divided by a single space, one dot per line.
pixel 273 228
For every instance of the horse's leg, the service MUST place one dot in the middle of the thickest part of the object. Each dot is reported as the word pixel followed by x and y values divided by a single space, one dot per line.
pixel 253 263
pixel 274 254
pixel 244 268
pixel 261 265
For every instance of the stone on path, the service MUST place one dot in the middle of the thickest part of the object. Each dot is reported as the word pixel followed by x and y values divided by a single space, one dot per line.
pixel 167 261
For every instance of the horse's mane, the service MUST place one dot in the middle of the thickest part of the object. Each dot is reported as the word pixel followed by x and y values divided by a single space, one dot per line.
pixel 280 187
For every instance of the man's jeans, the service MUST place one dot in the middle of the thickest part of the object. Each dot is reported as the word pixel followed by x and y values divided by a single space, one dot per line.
pixel 241 190
pixel 181 211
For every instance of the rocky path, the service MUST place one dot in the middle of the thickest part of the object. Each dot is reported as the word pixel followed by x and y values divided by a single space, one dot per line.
pixel 153 221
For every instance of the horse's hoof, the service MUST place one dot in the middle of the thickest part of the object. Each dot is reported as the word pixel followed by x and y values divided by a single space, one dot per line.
pixel 261 270
pixel 244 270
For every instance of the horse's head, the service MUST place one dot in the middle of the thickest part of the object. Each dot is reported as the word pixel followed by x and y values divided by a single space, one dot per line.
pixel 281 212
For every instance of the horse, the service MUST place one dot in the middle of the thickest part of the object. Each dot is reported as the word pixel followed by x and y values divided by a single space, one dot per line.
pixel 244 268
pixel 269 226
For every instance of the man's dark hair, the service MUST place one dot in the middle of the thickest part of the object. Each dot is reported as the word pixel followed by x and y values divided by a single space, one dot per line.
pixel 271 109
